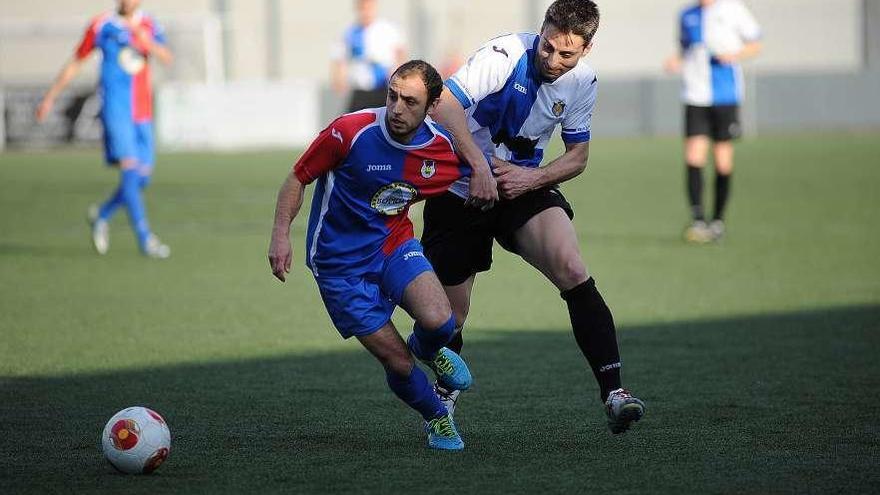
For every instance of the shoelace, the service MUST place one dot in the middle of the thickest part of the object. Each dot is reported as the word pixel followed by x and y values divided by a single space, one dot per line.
pixel 442 426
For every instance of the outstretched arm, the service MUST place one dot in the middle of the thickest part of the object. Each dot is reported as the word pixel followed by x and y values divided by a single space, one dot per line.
pixel 68 72
pixel 514 180
pixel 290 199
pixel 450 114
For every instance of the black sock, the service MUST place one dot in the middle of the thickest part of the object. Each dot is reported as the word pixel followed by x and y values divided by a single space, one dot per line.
pixel 456 343
pixel 695 190
pixel 594 332
pixel 722 189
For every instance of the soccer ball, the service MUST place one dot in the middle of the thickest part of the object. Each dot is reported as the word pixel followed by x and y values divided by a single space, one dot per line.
pixel 136 440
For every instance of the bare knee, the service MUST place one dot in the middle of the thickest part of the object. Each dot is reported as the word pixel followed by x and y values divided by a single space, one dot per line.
pixel 436 315
pixel 571 273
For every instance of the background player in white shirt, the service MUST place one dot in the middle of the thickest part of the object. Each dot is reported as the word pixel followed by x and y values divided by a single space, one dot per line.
pixel 365 58
pixel 715 35
pixel 506 101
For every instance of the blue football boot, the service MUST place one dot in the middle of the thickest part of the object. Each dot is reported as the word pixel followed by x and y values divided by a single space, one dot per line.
pixel 451 370
pixel 442 434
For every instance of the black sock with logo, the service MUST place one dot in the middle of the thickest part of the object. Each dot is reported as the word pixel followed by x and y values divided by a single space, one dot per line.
pixel 722 190
pixel 594 332
pixel 695 190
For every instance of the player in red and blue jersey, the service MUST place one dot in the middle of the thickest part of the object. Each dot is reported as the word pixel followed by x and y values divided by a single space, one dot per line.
pixel 127 39
pixel 370 166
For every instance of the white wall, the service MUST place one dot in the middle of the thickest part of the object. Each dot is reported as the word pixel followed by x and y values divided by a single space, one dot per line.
pixel 635 35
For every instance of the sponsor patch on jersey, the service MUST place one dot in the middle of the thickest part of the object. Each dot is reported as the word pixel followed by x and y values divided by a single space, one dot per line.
pixel 558 108
pixel 393 198
pixel 131 60
pixel 429 168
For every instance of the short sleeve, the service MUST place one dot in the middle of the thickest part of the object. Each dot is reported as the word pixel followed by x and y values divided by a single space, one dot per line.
pixel 87 43
pixel 324 154
pixel 577 121
pixel 485 72
pixel 746 24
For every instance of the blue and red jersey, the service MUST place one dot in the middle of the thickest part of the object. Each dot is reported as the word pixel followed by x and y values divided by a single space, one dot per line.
pixel 125 71
pixel 366 182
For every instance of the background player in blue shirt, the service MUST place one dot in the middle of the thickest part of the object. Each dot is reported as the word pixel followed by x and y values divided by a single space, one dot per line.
pixel 715 36
pixel 127 38
pixel 507 101
pixel 370 166
pixel 368 53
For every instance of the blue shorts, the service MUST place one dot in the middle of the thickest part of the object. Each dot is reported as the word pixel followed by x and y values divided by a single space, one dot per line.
pixel 359 306
pixel 126 139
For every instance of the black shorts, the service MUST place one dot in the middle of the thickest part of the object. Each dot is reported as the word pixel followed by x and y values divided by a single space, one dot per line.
pixel 458 239
pixel 361 99
pixel 720 122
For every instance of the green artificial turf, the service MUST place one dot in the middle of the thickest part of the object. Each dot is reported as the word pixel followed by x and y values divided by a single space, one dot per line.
pixel 756 355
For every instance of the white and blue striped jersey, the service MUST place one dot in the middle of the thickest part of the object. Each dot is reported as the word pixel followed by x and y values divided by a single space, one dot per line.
pixel 512 113
pixel 371 52
pixel 720 28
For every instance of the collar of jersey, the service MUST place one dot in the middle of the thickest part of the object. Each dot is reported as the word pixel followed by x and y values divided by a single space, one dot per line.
pixel 424 129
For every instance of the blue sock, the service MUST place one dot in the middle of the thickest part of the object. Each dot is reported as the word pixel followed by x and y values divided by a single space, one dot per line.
pixel 416 392
pixel 424 344
pixel 113 202
pixel 137 215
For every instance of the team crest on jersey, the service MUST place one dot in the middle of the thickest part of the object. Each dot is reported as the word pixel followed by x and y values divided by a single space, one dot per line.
pixel 429 168
pixel 393 198
pixel 131 60
pixel 558 108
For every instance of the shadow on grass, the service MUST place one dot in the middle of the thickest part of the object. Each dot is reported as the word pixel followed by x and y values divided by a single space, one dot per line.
pixel 772 403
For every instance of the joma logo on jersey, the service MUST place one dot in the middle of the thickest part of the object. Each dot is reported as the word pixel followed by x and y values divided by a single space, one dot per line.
pixel 429 168
pixel 519 87
pixel 372 167
pixel 336 134
pixel 558 107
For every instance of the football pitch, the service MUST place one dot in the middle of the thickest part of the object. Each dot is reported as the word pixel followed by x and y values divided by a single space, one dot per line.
pixel 756 356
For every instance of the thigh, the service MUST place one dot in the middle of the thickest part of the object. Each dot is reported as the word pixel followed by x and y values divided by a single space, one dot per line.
pixel 457 238
pixel 514 214
pixel 697 121
pixel 725 123
pixel 426 302
pixel 357 306
pixel 549 243
pixel 120 140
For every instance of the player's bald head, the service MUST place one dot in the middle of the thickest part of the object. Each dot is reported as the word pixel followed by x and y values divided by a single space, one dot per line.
pixel 428 74
pixel 580 17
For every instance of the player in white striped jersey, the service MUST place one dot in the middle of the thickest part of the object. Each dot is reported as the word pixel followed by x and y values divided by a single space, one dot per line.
pixel 507 101
pixel 715 36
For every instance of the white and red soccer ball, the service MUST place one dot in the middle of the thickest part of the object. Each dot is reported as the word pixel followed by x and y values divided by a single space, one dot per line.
pixel 136 440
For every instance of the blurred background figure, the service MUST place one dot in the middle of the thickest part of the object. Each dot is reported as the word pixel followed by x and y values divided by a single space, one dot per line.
pixel 127 39
pixel 366 56
pixel 715 36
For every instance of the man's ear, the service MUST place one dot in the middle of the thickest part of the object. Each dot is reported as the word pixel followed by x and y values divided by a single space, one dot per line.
pixel 433 106
pixel 587 49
